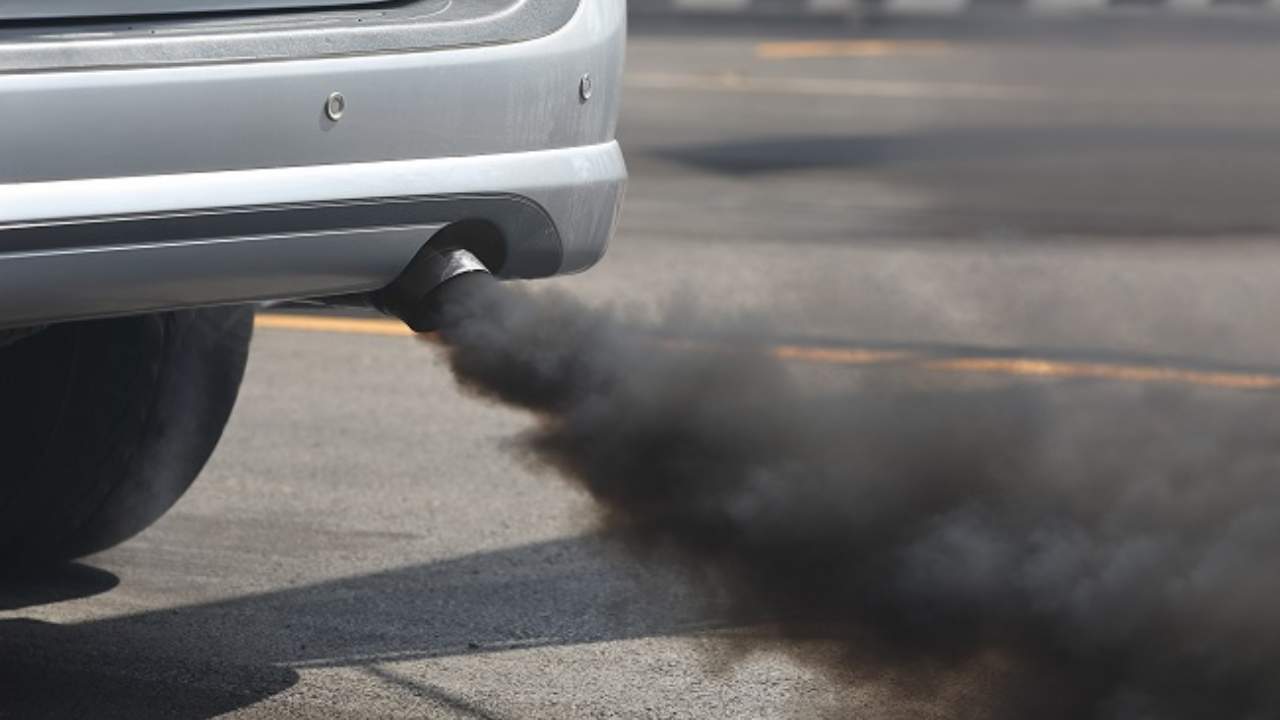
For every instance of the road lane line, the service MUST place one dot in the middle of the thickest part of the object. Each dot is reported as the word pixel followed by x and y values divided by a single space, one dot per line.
pixel 732 82
pixel 351 326
pixel 1040 367
pixel 838 356
pixel 813 49
pixel 1031 367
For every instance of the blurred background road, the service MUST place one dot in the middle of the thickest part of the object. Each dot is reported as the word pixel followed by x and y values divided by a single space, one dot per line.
pixel 1001 199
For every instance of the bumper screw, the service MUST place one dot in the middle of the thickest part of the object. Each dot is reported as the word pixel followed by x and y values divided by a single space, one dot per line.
pixel 586 87
pixel 335 106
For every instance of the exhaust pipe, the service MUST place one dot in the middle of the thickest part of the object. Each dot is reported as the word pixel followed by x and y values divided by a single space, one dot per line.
pixel 421 294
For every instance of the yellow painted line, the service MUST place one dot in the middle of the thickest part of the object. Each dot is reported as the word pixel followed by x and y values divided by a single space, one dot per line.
pixel 351 326
pixel 808 49
pixel 837 356
pixel 1020 367
pixel 734 82
pixel 1035 367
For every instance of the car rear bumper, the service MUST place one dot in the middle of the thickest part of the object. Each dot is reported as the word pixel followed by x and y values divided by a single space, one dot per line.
pixel 129 190
pixel 64 9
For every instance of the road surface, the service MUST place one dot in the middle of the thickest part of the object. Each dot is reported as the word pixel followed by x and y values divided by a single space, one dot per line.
pixel 1062 199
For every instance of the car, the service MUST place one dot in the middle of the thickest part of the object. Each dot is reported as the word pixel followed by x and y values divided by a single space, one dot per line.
pixel 166 164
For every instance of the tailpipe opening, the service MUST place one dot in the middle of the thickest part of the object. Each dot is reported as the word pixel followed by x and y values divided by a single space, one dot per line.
pixel 437 281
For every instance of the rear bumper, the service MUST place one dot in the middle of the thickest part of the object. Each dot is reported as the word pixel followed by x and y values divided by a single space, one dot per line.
pixel 130 190
pixel 42 9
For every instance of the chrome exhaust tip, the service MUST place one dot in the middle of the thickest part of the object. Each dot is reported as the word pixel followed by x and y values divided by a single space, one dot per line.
pixel 418 296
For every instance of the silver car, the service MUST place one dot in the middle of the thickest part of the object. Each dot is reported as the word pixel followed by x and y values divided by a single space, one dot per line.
pixel 165 162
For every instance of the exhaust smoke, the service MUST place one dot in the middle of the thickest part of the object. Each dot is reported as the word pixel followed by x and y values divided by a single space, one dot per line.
pixel 1065 551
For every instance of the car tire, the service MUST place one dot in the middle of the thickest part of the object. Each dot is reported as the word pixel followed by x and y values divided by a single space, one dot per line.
pixel 106 423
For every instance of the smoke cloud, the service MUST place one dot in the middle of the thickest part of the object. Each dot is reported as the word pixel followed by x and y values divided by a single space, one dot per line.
pixel 1049 551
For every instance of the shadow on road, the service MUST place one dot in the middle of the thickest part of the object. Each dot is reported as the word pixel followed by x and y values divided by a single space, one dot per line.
pixel 43 587
pixel 205 660
pixel 101 671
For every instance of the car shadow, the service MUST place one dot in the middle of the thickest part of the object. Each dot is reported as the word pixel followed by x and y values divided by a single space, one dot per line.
pixel 45 586
pixel 200 661
pixel 207 659
pixel 87 670
pixel 51 670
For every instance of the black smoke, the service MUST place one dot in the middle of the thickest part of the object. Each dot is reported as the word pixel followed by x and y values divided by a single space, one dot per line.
pixel 1045 551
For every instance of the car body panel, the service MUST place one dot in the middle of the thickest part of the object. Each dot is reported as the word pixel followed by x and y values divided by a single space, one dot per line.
pixel 99 167
pixel 257 37
pixel 196 118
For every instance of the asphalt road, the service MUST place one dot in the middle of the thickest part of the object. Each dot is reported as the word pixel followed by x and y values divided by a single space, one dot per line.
pixel 1065 198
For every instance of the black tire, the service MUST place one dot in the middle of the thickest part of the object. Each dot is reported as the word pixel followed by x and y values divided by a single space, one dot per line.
pixel 106 423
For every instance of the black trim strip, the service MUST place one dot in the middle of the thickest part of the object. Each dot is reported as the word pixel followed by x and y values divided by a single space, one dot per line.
pixel 531 242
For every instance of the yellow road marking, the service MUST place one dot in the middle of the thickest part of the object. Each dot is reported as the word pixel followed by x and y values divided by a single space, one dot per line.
pixel 741 83
pixel 733 82
pixel 1037 367
pixel 1021 367
pixel 353 326
pixel 805 49
pixel 837 356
